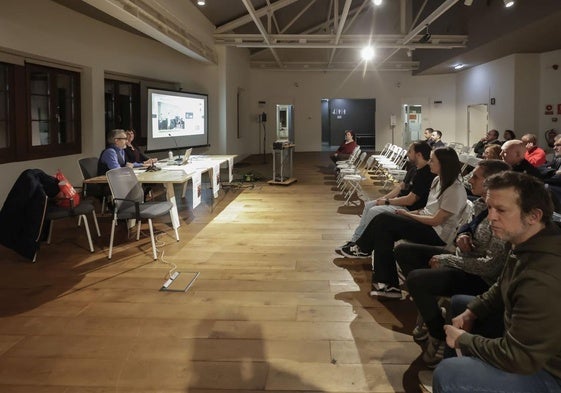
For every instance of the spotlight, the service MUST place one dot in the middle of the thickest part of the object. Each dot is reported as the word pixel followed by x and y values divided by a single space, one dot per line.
pixel 426 37
pixel 367 53
pixel 377 2
pixel 508 3
pixel 459 66
pixel 201 2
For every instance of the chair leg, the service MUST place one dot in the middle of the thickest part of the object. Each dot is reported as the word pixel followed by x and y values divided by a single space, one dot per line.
pixel 152 239
pixel 87 226
pixel 50 231
pixel 113 224
pixel 138 231
pixel 96 224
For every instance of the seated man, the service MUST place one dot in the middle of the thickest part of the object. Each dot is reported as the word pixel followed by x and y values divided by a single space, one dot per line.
pixel 553 168
pixel 512 152
pixel 472 269
pixel 436 137
pixel 534 154
pixel 521 351
pixel 428 136
pixel 491 138
pixel 347 147
pixel 114 155
pixel 411 193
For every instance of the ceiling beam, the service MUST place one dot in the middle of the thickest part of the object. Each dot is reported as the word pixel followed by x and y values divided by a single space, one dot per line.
pixel 302 12
pixel 341 25
pixel 243 20
pixel 261 29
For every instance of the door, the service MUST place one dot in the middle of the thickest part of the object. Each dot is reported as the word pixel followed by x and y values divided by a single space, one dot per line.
pixel 413 119
pixel 477 122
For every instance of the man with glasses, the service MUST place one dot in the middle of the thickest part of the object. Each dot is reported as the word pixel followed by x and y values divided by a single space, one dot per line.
pixel 114 155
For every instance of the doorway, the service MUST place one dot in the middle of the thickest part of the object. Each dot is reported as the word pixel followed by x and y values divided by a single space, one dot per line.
pixel 413 123
pixel 477 122
pixel 340 114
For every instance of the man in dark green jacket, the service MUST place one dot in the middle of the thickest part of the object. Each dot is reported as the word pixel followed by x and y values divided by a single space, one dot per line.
pixel 526 354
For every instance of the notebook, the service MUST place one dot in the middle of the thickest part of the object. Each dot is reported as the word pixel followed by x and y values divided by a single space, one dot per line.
pixel 186 156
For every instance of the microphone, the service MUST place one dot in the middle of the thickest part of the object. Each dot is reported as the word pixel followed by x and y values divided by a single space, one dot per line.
pixel 176 146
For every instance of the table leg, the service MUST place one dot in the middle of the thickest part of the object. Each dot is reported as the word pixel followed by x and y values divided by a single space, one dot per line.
pixel 170 195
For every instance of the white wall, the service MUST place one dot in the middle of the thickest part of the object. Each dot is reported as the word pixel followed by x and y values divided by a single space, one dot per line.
pixel 526 98
pixel 477 86
pixel 550 91
pixel 306 89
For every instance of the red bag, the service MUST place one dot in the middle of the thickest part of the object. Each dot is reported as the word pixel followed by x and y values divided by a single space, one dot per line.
pixel 67 197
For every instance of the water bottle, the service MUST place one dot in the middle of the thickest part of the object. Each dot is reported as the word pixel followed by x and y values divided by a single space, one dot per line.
pixel 170 155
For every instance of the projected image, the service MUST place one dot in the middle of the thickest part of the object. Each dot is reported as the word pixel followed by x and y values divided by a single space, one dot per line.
pixel 177 116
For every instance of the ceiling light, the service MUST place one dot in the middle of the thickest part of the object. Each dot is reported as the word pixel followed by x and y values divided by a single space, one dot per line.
pixel 459 66
pixel 367 53
pixel 377 2
pixel 201 2
pixel 508 3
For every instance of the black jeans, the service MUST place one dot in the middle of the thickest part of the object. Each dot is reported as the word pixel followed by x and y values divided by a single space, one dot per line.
pixel 381 234
pixel 425 285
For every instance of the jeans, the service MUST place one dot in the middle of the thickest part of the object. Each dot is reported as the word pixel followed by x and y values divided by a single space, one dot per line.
pixel 370 211
pixel 468 374
pixel 381 234
pixel 426 285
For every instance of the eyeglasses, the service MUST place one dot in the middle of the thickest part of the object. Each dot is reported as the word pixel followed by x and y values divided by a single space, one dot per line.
pixel 557 145
pixel 122 138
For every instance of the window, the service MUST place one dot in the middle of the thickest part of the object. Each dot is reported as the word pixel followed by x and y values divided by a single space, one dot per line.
pixel 7 146
pixel 122 106
pixel 39 112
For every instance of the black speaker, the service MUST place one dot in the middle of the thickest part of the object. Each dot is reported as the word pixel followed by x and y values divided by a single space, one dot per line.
pixel 263 117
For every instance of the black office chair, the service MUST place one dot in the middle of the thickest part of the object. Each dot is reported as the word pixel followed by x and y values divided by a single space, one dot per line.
pixel 128 199
pixel 88 168
pixel 55 212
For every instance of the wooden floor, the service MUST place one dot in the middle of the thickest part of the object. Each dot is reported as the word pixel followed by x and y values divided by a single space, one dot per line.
pixel 274 309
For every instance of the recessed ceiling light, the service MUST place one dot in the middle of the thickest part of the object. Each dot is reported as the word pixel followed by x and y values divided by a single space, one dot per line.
pixel 367 53
pixel 201 2
pixel 508 3
pixel 459 66
pixel 377 2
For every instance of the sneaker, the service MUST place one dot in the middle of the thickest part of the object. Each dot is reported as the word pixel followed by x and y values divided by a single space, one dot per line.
pixel 420 332
pixel 387 292
pixel 347 244
pixel 353 252
pixel 434 352
pixel 425 381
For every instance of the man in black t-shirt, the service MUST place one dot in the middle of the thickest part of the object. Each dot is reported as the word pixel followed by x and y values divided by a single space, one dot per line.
pixel 411 193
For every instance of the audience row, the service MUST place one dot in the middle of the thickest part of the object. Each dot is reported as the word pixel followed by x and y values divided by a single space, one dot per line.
pixel 498 259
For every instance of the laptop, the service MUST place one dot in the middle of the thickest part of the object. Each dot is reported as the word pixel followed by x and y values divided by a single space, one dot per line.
pixel 186 156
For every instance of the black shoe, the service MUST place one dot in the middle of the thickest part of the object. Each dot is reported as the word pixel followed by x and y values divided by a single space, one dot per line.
pixel 354 251
pixel 347 244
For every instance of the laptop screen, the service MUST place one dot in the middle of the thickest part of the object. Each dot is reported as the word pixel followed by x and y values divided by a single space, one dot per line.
pixel 186 156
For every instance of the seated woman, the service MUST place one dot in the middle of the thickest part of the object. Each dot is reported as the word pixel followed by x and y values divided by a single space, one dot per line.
pixel 133 153
pixel 435 224
pixel 347 147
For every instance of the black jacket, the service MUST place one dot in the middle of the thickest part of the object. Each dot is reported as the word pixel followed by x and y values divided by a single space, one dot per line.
pixel 22 216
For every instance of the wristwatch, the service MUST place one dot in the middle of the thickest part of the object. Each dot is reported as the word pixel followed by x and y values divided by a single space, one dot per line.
pixel 387 202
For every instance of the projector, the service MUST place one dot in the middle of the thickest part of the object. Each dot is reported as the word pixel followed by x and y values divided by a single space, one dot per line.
pixel 277 145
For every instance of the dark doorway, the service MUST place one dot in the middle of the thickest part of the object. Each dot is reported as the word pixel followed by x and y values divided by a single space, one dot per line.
pixel 340 114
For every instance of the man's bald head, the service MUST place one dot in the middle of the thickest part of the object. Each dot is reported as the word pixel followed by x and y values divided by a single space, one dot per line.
pixel 512 152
